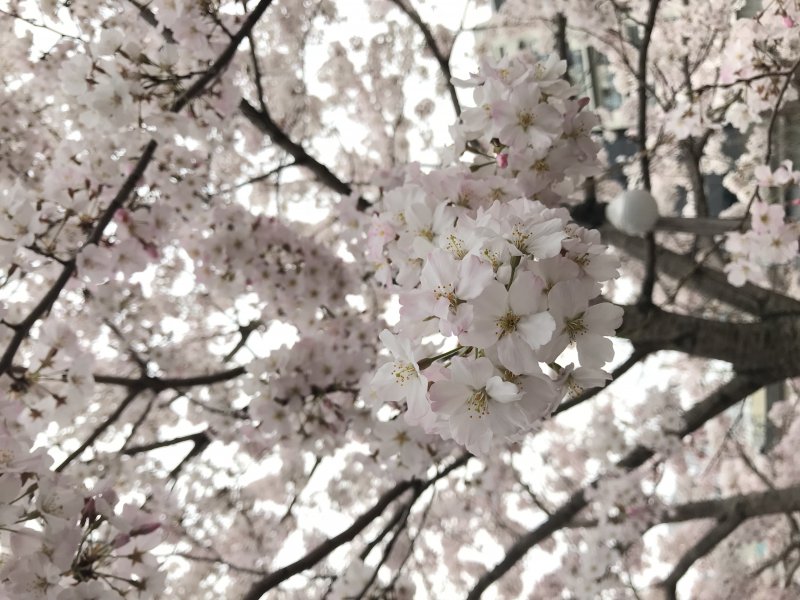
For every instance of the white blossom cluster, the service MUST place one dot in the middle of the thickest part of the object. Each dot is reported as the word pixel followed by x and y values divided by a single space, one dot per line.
pixel 503 276
pixel 771 239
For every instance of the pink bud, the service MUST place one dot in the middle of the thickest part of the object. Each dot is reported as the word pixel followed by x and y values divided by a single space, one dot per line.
pixel 796 202
pixel 120 540
pixel 583 102
pixel 788 21
pixel 89 512
pixel 152 251
pixel 502 160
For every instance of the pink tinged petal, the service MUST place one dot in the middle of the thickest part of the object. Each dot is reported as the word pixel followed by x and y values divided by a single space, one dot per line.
pixel 439 269
pixel 537 329
pixel 472 432
pixel 493 301
pixel 417 401
pixel 545 241
pixel 474 275
pixel 516 355
pixel 448 396
pixel 552 349
pixel 390 342
pixel 567 299
pixel 458 323
pixel 502 391
pixel 538 139
pixel 547 118
pixel 594 351
pixel 525 293
pixel 604 318
pixel 763 174
pixel 525 96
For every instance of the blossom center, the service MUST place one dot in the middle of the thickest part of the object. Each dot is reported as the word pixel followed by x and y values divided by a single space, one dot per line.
pixel 403 372
pixel 456 246
pixel 575 327
pixel 447 292
pixel 520 239
pixel 525 119
pixel 508 323
pixel 540 166
pixel 478 403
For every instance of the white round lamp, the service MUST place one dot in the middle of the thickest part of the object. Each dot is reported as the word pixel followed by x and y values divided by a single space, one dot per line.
pixel 634 212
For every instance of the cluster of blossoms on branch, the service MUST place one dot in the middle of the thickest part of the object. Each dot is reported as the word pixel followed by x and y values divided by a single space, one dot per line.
pixel 771 239
pixel 486 262
pixel 64 542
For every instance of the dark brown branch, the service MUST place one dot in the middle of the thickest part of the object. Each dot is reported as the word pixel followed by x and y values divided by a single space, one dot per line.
pixel 755 504
pixel 698 225
pixel 264 123
pixel 400 513
pixel 110 420
pixel 219 561
pixel 722 399
pixel 197 437
pixel 22 329
pixel 158 384
pixel 199 446
pixel 768 346
pixel 562 46
pixel 277 577
pixel 649 280
pixel 706 544
pixel 222 61
pixel 399 526
pixel 433 46
pixel 641 89
pixel 149 17
pixel 749 298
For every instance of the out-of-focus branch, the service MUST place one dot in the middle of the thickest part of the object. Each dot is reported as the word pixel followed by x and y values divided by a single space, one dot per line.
pixel 110 420
pixel 697 225
pixel 755 504
pixel 649 280
pixel 277 577
pixel 749 298
pixel 158 384
pixel 441 58
pixel 767 346
pixel 714 404
pixel 22 329
pixel 706 544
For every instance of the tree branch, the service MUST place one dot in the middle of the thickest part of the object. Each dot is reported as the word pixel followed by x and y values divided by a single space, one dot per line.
pixel 768 345
pixel 264 123
pixel 158 384
pixel 444 62
pixel 197 437
pixel 277 577
pixel 749 298
pixel 22 330
pixel 706 544
pixel 720 400
pixel 110 420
